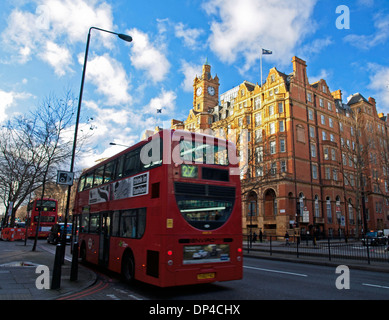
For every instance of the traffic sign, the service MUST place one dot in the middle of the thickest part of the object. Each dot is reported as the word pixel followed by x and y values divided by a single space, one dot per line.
pixel 65 177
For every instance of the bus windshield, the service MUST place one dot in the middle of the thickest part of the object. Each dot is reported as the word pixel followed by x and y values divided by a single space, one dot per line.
pixel 47 205
pixel 205 214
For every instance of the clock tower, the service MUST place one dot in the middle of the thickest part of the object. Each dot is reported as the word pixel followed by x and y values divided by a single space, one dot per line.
pixel 205 90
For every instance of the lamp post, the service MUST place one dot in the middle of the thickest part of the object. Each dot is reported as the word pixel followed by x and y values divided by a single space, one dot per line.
pixel 118 144
pixel 56 282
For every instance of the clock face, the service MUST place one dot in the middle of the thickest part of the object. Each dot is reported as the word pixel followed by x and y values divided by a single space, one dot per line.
pixel 211 90
pixel 199 91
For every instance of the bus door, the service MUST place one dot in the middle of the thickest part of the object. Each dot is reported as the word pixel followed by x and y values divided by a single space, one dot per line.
pixel 105 236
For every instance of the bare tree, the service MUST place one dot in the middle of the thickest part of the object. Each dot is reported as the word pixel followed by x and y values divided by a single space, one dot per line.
pixel 32 147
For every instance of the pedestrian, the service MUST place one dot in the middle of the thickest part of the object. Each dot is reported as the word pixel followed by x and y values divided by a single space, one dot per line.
pixel 287 239
pixel 254 237
pixel 260 235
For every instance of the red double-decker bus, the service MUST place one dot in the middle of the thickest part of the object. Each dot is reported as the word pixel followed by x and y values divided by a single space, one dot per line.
pixel 166 211
pixel 49 216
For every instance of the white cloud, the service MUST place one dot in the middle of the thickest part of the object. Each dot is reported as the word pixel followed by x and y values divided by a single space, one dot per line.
pixel 190 71
pixel 314 47
pixel 145 56
pixel 324 74
pixel 379 83
pixel 189 35
pixel 58 57
pixel 165 101
pixel 52 27
pixel 110 78
pixel 380 36
pixel 242 28
pixel 8 99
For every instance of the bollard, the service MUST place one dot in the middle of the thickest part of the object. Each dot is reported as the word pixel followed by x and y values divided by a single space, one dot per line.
pixel 74 268
pixel 56 280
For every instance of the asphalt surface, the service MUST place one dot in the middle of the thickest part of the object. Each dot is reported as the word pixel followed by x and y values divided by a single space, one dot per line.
pixel 22 279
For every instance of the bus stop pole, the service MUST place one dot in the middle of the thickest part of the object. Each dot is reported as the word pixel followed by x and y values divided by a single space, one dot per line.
pixel 56 280
pixel 74 268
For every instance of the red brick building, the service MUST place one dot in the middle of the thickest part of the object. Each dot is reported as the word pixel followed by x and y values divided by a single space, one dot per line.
pixel 315 164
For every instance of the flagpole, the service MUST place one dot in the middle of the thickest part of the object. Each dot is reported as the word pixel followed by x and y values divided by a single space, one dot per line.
pixel 261 66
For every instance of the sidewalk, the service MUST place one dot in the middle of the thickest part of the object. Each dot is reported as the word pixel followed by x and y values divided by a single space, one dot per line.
pixel 17 272
pixel 288 254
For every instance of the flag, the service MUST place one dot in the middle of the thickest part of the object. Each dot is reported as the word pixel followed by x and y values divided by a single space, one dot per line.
pixel 264 51
pixel 159 110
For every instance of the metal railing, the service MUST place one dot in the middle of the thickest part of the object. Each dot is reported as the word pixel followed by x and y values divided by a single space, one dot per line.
pixel 328 249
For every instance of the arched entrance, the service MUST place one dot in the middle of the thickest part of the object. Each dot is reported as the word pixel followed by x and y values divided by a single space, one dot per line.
pixel 270 205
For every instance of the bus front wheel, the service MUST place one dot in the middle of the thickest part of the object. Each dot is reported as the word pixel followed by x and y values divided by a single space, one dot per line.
pixel 128 267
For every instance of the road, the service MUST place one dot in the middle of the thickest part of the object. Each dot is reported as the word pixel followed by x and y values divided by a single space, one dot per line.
pixel 263 280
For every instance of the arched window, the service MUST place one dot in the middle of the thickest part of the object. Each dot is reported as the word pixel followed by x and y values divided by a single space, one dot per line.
pixel 252 204
pixel 317 207
pixel 350 212
pixel 301 202
pixel 329 210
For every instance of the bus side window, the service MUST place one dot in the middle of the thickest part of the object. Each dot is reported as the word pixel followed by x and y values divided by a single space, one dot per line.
pixel 81 184
pixel 115 223
pixel 89 181
pixel 119 168
pixel 98 180
pixel 94 226
pixel 108 172
pixel 84 223
pixel 131 163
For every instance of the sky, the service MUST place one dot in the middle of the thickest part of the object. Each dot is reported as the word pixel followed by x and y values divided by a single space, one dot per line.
pixel 42 48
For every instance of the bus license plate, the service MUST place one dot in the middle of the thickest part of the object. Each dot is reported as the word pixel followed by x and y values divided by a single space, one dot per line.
pixel 202 276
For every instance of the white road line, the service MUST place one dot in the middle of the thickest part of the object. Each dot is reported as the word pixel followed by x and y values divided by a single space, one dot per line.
pixel 374 285
pixel 277 271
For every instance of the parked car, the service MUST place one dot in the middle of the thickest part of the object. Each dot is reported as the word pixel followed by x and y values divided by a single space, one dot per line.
pixel 374 238
pixel 57 231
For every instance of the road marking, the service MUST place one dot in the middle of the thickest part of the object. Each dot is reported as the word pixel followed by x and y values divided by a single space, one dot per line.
pixel 375 285
pixel 277 271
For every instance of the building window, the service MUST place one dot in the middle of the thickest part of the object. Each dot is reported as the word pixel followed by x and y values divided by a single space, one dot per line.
pixel 329 210
pixel 313 151
pixel 271 110
pixel 310 114
pixel 350 213
pixel 282 145
pixel 314 171
pixel 326 155
pixel 272 147
pixel 331 122
pixel 312 132
pixel 328 173
pixel 257 103
pixel 272 128
pixel 317 207
pixel 309 97
pixel 258 135
pixel 280 107
pixel 258 119
pixel 281 126
pixel 323 119
pixel 283 166
pixel 273 169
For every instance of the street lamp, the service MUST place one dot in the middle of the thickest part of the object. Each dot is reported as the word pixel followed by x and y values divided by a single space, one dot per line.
pixel 56 282
pixel 118 144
